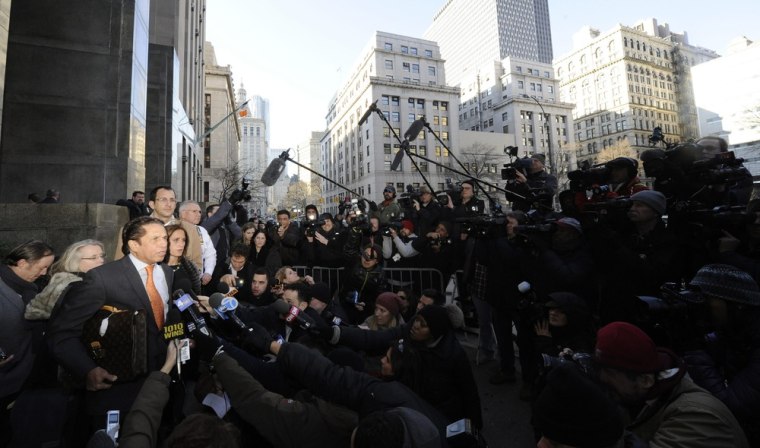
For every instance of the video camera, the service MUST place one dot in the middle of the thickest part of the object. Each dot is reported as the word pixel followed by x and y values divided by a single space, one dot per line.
pixel 509 172
pixel 395 225
pixel 675 317
pixel 311 225
pixel 483 226
pixel 406 199
pixel 453 190
pixel 244 183
pixel 590 178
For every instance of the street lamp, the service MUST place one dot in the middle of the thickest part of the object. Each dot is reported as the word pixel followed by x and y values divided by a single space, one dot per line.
pixel 548 134
pixel 194 142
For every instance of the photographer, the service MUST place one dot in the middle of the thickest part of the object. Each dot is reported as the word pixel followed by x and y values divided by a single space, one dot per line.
pixel 404 254
pixel 623 176
pixel 743 252
pixel 727 361
pixel 737 186
pixel 426 213
pixel 389 208
pixel 364 279
pixel 324 245
pixel 535 184
pixel 637 259
pixel 287 238
pixel 440 250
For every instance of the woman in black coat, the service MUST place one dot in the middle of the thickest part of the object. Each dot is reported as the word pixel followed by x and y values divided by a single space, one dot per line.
pixel 264 254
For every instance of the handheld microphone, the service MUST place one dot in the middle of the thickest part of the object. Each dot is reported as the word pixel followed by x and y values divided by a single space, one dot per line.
pixel 274 170
pixel 365 117
pixel 185 303
pixel 293 315
pixel 414 129
pixel 174 326
pixel 226 289
pixel 225 307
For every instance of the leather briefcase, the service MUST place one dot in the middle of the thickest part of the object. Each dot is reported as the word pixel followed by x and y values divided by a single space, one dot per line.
pixel 117 341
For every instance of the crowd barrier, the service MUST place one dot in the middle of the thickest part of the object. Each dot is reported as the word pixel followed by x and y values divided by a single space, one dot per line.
pixel 417 279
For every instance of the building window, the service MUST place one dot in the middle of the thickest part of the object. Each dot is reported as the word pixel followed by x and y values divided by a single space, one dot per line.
pixel 436 119
pixel 394 101
pixel 388 46
pixel 405 49
pixel 410 117
pixel 520 85
pixel 444 136
pixel 428 53
pixel 518 69
pixel 550 89
pixel 431 70
pixel 406 66
pixel 413 50
pixel 389 64
pixel 395 116
pixel 444 105
pixel 415 68
pixel 444 121
pixel 420 103
pixel 385 100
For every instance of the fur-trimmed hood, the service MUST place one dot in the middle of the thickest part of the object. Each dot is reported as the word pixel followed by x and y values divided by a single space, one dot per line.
pixel 40 307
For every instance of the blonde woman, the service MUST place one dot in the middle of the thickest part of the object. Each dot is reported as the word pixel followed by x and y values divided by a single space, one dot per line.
pixel 78 258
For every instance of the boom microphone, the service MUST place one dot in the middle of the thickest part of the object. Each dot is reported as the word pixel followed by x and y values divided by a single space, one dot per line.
pixel 365 117
pixel 414 129
pixel 292 314
pixel 397 160
pixel 275 169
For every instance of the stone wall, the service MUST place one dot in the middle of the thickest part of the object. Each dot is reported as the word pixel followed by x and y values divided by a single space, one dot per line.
pixel 60 224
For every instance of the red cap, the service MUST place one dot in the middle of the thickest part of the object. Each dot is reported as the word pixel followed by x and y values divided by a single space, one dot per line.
pixel 623 346
pixel 389 301
pixel 408 225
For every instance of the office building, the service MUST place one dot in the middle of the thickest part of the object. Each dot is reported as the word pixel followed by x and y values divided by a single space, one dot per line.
pixel 221 151
pixel 471 33
pixel 627 81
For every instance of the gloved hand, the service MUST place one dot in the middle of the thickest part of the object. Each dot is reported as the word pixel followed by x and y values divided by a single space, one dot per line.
pixel 257 338
pixel 207 347
pixel 236 196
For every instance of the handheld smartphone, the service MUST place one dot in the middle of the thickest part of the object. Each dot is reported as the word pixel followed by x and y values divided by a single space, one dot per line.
pixel 112 424
pixel 3 355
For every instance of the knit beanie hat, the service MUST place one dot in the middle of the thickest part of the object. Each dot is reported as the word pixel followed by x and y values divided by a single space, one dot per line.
pixel 574 411
pixel 437 319
pixel 624 346
pixel 389 301
pixel 654 199
pixel 408 225
pixel 728 283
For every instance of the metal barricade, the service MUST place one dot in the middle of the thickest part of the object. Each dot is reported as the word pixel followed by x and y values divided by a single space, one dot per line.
pixel 416 279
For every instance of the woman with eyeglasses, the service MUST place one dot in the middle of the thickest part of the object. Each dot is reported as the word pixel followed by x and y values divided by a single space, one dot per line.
pixel 76 260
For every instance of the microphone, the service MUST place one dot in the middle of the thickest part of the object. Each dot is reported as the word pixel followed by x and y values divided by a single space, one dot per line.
pixel 399 157
pixel 226 289
pixel 225 307
pixel 293 314
pixel 414 129
pixel 365 117
pixel 184 302
pixel 274 170
pixel 174 327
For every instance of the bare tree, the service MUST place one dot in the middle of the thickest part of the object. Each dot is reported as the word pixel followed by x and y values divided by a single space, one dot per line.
pixel 620 149
pixel 297 196
pixel 482 162
pixel 232 177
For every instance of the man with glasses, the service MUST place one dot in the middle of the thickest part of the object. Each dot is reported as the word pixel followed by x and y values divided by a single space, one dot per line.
pixel 163 202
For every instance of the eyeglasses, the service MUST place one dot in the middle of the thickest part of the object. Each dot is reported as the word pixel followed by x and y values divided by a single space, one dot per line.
pixel 95 257
pixel 165 200
pixel 369 257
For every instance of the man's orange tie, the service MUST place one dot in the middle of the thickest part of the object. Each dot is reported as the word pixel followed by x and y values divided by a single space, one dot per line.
pixel 156 302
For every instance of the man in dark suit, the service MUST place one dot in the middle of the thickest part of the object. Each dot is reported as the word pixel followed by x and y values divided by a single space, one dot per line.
pixel 134 282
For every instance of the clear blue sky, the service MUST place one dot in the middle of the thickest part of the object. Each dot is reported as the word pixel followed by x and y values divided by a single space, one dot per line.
pixel 298 53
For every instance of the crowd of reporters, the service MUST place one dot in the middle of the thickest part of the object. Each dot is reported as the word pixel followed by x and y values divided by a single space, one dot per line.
pixel 361 362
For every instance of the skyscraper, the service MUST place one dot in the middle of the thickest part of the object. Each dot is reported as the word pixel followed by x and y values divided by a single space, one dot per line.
pixel 504 28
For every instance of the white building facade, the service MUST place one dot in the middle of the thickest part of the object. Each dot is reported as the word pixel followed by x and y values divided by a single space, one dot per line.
pixel 627 81
pixel 733 114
